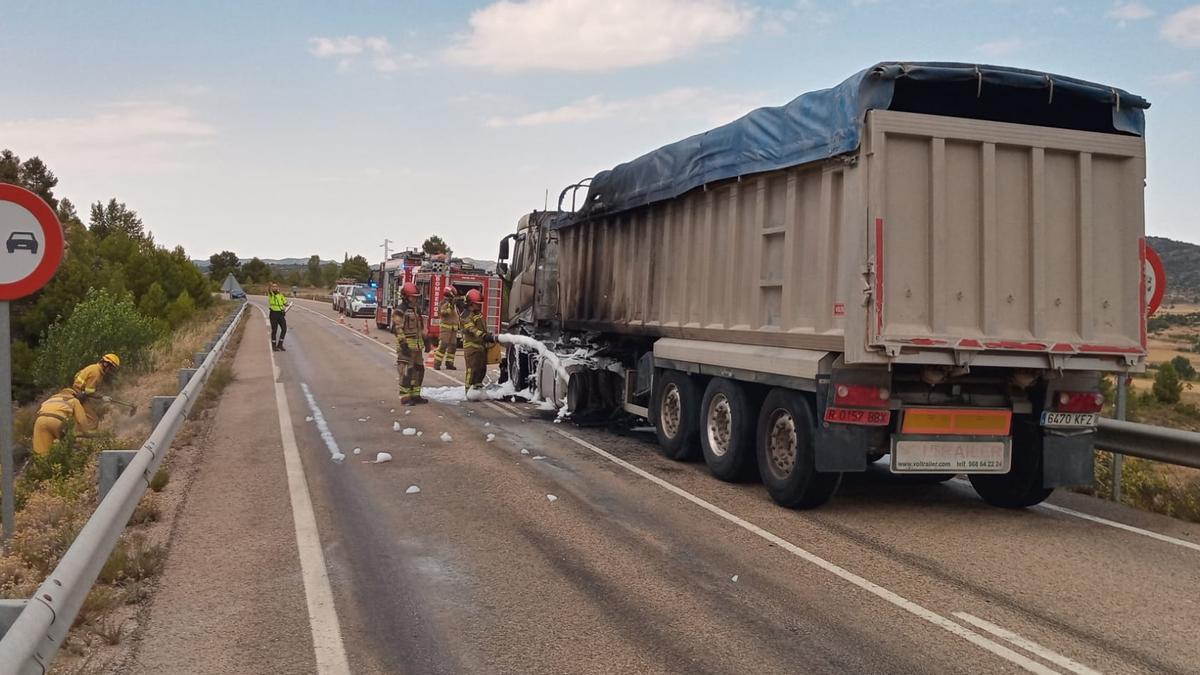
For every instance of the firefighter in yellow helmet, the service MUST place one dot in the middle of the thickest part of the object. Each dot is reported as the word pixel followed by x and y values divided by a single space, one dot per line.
pixel 90 377
pixel 476 339
pixel 448 331
pixel 55 417
pixel 410 347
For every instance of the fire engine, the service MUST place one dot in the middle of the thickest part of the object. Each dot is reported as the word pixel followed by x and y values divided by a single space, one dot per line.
pixel 433 275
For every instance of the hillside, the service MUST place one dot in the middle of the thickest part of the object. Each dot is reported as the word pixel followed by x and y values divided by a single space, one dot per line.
pixel 1182 261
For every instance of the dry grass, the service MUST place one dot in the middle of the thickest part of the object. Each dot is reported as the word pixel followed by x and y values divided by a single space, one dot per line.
pixel 134 559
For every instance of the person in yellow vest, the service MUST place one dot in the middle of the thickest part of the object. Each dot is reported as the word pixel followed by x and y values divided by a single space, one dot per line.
pixel 55 417
pixel 448 332
pixel 278 305
pixel 410 347
pixel 476 339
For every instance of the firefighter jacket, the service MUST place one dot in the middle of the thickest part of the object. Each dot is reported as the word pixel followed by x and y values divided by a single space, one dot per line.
pixel 64 407
pixel 474 330
pixel 411 333
pixel 88 379
pixel 449 315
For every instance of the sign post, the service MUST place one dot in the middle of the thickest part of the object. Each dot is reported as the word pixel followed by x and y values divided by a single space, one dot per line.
pixel 31 247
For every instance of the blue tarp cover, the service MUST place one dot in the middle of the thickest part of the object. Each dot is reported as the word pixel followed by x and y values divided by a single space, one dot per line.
pixel 829 122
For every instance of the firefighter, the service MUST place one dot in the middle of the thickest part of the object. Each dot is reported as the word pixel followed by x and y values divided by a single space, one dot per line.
pixel 278 304
pixel 90 377
pixel 55 417
pixel 476 339
pixel 410 346
pixel 448 337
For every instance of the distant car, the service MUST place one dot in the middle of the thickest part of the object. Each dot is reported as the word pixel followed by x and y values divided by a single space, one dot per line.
pixel 239 294
pixel 340 294
pixel 361 300
pixel 22 240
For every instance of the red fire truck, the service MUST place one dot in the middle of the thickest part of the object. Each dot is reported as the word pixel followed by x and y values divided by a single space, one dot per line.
pixel 432 275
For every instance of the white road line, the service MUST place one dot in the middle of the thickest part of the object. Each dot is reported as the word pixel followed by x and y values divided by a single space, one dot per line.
pixel 1027 644
pixel 869 586
pixel 328 648
pixel 502 409
pixel 1120 526
pixel 335 453
pixel 1110 523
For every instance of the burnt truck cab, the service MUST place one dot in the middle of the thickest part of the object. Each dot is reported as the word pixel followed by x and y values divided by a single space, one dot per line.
pixel 936 263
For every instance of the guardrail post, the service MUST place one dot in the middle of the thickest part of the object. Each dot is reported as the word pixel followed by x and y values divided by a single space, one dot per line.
pixel 112 463
pixel 158 408
pixel 1118 460
pixel 185 376
pixel 198 358
pixel 9 611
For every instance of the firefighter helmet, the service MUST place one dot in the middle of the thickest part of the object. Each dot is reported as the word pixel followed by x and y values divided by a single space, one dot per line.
pixel 474 297
pixel 451 292
pixel 410 290
pixel 112 360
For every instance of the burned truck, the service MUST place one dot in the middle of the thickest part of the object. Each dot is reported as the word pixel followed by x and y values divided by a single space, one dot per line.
pixel 933 262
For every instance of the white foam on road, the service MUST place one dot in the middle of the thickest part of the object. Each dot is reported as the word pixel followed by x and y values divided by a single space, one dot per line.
pixel 871 587
pixel 335 453
pixel 328 648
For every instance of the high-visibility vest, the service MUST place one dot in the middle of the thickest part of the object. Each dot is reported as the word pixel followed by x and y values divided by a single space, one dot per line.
pixel 474 328
pixel 277 301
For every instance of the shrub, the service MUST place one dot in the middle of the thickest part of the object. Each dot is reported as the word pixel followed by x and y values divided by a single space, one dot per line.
pixel 1167 386
pixel 181 309
pixel 133 560
pixel 154 302
pixel 1183 367
pixel 160 480
pixel 101 323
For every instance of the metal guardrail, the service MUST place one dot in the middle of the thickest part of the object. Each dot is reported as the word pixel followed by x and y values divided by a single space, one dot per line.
pixel 35 636
pixel 1173 446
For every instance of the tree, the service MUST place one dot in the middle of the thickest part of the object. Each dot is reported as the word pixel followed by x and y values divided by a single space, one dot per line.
pixel 315 276
pixel 329 273
pixel 357 268
pixel 434 245
pixel 67 212
pixel 222 265
pixel 180 310
pixel 1184 367
pixel 1167 386
pixel 115 217
pixel 32 174
pixel 255 271
pixel 154 302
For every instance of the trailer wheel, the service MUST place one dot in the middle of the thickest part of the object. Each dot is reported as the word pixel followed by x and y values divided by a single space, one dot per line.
pixel 1022 485
pixel 727 430
pixel 786 460
pixel 677 415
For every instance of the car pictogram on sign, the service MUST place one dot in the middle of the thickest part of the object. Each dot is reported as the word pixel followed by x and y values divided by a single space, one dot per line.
pixel 22 241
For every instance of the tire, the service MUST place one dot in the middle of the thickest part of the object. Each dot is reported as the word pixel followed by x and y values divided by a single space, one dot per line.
pixel 1021 487
pixel 786 460
pixel 727 423
pixel 677 415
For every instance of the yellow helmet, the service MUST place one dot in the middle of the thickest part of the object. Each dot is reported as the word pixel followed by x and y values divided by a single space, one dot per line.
pixel 111 359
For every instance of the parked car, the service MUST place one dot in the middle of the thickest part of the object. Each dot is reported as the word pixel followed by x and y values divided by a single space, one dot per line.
pixel 361 300
pixel 22 240
pixel 340 293
pixel 237 294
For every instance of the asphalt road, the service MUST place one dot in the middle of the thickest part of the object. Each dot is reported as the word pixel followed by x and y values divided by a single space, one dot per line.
pixel 637 563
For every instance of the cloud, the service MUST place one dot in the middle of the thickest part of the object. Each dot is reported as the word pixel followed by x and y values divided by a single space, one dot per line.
pixel 377 52
pixel 586 35
pixel 1004 47
pixel 1125 12
pixel 1182 28
pixel 1178 77
pixel 134 134
pixel 800 13
pixel 716 108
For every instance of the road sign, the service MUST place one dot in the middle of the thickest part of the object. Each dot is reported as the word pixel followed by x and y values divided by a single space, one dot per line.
pixel 31 242
pixel 1156 281
pixel 31 247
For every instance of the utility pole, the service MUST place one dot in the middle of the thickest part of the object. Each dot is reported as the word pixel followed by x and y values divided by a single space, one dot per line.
pixel 387 250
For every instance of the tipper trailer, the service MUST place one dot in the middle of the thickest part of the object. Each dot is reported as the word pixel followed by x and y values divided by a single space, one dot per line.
pixel 931 261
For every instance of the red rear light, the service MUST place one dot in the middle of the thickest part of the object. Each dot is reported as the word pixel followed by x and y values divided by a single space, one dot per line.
pixel 1078 401
pixel 861 396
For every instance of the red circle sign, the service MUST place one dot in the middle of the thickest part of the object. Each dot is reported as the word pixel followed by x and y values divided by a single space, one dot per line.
pixel 1156 281
pixel 31 242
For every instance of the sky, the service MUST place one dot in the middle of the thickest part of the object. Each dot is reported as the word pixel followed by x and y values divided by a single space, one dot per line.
pixel 284 129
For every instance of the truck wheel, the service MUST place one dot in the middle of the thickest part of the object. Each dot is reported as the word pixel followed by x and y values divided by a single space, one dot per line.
pixel 786 460
pixel 1022 485
pixel 727 430
pixel 677 415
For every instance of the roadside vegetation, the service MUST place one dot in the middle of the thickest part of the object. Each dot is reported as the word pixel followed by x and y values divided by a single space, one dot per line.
pixel 1168 395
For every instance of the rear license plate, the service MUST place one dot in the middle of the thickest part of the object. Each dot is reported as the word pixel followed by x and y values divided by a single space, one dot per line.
pixel 1069 420
pixel 950 456
pixel 874 418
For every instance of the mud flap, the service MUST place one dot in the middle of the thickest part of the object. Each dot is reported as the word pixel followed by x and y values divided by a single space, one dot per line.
pixel 842 447
pixel 1068 460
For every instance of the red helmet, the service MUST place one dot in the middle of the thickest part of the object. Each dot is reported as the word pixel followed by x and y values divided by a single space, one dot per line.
pixel 410 290
pixel 451 291
pixel 474 297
